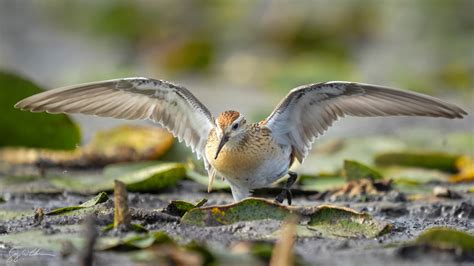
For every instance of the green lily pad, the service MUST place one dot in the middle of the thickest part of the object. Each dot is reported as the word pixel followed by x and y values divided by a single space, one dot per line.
pixel 354 170
pixel 138 228
pixel 180 207
pixel 414 180
pixel 247 210
pixel 454 143
pixel 446 238
pixel 138 178
pixel 136 242
pixel 100 198
pixel 344 222
pixel 430 160
pixel 36 238
pixel 360 149
pixel 26 129
pixel 324 220
pixel 322 183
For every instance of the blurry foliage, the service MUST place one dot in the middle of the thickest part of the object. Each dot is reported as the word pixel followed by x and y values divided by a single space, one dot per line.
pixel 128 142
pixel 120 144
pixel 465 167
pixel 445 238
pixel 138 177
pixel 334 29
pixel 306 69
pixel 354 170
pixel 311 41
pixel 430 160
pixel 188 55
pixel 21 128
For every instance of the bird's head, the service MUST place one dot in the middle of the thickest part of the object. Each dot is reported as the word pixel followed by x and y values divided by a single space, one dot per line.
pixel 229 125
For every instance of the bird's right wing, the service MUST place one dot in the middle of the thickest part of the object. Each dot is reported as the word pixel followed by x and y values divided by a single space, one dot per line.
pixel 307 111
pixel 170 105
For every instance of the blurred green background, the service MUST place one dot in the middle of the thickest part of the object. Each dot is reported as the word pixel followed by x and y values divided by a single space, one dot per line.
pixel 247 54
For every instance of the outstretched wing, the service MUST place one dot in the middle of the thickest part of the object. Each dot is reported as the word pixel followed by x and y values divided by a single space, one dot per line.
pixel 307 111
pixel 172 106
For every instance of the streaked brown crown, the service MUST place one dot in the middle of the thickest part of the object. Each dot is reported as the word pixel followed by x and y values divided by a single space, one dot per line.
pixel 227 118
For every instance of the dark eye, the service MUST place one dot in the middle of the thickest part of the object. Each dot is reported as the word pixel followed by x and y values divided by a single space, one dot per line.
pixel 234 127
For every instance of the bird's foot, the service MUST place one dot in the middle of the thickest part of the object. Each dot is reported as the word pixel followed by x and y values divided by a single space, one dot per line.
pixel 285 193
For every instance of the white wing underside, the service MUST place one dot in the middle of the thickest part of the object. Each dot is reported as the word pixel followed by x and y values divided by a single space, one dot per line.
pixel 167 104
pixel 307 111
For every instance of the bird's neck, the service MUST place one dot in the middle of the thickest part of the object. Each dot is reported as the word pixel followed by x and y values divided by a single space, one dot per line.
pixel 237 141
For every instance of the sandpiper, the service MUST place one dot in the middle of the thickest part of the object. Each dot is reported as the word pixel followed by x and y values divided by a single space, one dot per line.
pixel 247 155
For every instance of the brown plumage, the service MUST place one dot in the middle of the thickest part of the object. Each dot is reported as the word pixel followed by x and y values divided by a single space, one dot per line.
pixel 226 118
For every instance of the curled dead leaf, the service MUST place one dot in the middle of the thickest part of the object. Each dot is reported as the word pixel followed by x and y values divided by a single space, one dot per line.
pixel 465 166
pixel 129 143
pixel 120 144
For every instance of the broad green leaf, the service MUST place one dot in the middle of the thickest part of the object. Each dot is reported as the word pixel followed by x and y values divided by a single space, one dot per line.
pixel 22 128
pixel 100 198
pixel 138 179
pixel 429 140
pixel 414 180
pixel 246 210
pixel 344 222
pixel 446 238
pixel 360 149
pixel 322 183
pixel 135 242
pixel 36 238
pixel 329 221
pixel 27 184
pixel 431 160
pixel 180 207
pixel 134 227
pixel 354 170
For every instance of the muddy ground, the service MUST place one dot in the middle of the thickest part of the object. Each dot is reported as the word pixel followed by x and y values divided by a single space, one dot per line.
pixel 409 219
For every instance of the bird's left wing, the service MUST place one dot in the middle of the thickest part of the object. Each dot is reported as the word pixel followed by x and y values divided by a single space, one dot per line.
pixel 307 111
pixel 170 105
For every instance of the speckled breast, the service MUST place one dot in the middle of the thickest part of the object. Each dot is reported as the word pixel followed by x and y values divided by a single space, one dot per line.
pixel 254 161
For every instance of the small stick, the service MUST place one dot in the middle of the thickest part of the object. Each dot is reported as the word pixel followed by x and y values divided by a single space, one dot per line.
pixel 122 217
pixel 90 234
pixel 282 254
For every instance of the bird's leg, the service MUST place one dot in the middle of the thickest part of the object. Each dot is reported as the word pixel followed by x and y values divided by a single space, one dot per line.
pixel 287 189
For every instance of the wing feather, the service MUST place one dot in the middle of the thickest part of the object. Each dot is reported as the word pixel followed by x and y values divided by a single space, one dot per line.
pixel 307 111
pixel 170 105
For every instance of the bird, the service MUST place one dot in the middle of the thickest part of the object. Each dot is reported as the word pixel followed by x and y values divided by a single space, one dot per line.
pixel 247 155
